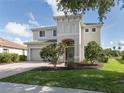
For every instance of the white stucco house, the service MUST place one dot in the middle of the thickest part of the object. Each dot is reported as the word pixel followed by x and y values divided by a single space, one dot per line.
pixel 7 46
pixel 69 29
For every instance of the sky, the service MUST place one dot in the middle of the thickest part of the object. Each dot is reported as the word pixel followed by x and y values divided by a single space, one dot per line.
pixel 17 17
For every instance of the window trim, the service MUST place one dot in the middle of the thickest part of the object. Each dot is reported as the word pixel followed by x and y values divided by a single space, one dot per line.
pixel 54 33
pixel 87 29
pixel 94 28
pixel 42 33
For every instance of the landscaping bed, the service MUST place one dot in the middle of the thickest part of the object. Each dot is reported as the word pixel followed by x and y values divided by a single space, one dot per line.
pixel 76 66
pixel 88 66
pixel 65 68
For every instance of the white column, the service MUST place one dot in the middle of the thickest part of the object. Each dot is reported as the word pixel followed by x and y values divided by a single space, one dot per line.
pixel 29 54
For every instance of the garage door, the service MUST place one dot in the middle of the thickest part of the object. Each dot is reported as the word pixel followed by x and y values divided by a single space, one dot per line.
pixel 35 55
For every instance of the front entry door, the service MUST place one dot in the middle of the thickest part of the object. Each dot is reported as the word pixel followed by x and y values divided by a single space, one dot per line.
pixel 69 54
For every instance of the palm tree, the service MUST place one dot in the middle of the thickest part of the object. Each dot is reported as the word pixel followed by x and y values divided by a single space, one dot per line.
pixel 114 47
pixel 119 48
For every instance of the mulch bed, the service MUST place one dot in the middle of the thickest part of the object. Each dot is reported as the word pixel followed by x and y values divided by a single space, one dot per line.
pixel 77 66
pixel 88 66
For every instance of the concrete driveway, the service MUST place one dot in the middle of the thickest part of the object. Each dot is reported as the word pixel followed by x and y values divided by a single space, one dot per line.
pixel 15 68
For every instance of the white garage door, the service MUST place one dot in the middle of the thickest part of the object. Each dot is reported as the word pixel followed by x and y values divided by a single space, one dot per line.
pixel 35 55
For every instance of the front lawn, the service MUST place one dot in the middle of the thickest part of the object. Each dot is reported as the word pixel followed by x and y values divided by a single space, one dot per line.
pixel 109 79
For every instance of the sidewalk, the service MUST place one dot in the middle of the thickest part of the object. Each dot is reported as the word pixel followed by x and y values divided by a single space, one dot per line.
pixel 23 88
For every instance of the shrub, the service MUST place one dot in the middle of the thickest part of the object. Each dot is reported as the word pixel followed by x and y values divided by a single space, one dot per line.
pixel 22 58
pixel 11 57
pixel 1 56
pixel 85 61
pixel 52 53
pixel 103 58
pixel 15 57
pixel 123 57
pixel 6 58
pixel 112 53
pixel 92 51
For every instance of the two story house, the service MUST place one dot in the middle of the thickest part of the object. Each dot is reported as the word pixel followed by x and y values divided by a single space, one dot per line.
pixel 70 30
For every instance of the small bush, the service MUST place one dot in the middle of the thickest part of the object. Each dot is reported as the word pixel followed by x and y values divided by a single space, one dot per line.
pixel 1 56
pixel 22 58
pixel 122 57
pixel 15 57
pixel 11 57
pixel 85 61
pixel 6 58
pixel 103 58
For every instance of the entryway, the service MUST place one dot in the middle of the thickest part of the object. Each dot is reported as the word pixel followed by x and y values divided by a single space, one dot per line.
pixel 69 50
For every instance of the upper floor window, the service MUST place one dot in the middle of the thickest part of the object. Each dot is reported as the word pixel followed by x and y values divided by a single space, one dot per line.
pixel 54 32
pixel 93 29
pixel 87 30
pixel 42 33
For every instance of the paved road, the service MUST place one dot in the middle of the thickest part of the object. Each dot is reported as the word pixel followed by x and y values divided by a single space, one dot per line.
pixel 23 88
pixel 15 68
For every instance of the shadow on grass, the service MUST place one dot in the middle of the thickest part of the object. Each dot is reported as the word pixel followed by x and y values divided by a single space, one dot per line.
pixel 98 80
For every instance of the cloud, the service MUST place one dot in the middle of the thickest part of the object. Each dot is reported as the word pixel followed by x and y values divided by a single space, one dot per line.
pixel 121 43
pixel 18 40
pixel 111 42
pixel 103 44
pixel 53 5
pixel 31 16
pixel 17 29
pixel 32 20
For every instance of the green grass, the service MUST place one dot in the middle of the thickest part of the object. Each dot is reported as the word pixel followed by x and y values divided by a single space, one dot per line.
pixel 109 79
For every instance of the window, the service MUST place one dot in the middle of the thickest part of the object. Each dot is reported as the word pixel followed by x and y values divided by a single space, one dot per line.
pixel 5 50
pixel 42 33
pixel 93 29
pixel 54 32
pixel 86 30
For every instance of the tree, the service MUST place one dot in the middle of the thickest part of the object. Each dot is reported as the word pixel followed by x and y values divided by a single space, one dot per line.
pixel 92 51
pixel 114 47
pixel 119 48
pixel 52 53
pixel 81 6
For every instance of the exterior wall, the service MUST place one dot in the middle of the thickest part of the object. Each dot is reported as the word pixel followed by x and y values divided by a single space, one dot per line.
pixel 12 50
pixel 86 37
pixel 34 52
pixel 0 49
pixel 70 28
pixel 91 36
pixel 48 34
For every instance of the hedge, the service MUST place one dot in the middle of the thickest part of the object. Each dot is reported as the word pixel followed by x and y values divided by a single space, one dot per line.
pixel 22 57
pixel 5 58
pixel 122 57
pixel 11 57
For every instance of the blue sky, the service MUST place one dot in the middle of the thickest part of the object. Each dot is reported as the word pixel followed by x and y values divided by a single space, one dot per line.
pixel 18 16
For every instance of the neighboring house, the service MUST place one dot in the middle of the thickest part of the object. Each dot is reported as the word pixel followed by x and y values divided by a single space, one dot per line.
pixel 7 46
pixel 69 29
